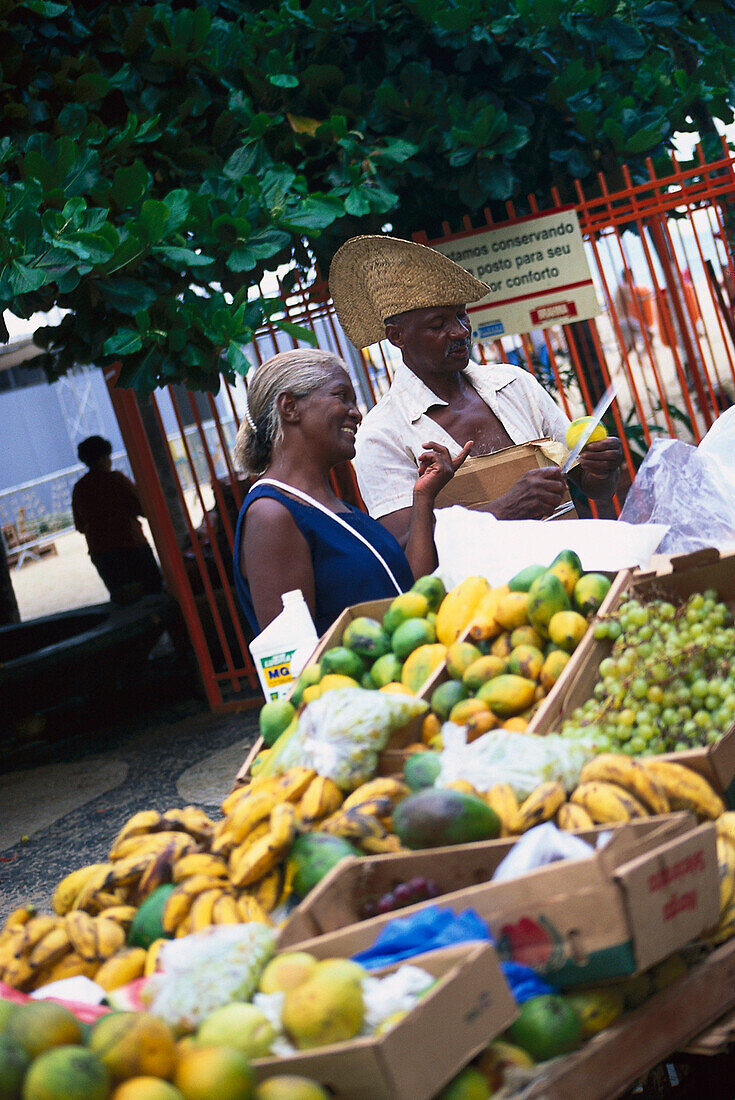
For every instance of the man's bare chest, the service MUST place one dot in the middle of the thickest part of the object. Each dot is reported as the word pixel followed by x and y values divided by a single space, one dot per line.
pixel 474 420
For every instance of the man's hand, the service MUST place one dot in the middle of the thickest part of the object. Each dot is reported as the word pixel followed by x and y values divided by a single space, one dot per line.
pixel 534 496
pixel 436 468
pixel 601 459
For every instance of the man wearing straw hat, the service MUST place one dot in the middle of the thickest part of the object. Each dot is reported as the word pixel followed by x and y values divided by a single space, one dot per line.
pixel 414 296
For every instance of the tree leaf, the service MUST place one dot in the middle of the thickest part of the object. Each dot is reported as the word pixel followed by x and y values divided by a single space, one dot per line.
pixel 24 279
pixel 123 342
pixel 153 220
pixel 284 80
pixel 357 203
pixel 181 257
pixel 297 331
pixel 44 7
pixel 126 295
pixel 237 359
pixel 129 185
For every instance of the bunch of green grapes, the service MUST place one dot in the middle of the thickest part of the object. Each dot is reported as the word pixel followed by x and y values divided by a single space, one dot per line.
pixel 669 682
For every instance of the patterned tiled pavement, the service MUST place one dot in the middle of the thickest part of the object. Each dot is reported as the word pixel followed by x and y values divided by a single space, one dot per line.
pixel 64 812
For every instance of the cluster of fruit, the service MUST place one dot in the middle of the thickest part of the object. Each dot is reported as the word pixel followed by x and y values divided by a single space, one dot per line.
pixel 668 683
pixel 47 1054
pixel 515 646
pixel 726 864
pixel 612 789
pixel 175 873
pixel 403 893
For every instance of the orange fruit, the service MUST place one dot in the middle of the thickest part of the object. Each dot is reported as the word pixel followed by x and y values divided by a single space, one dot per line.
pixel 134 1044
pixel 219 1072
pixel 146 1088
pixel 39 1025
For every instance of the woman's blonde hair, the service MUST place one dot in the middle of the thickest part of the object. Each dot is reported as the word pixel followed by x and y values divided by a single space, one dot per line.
pixel 298 372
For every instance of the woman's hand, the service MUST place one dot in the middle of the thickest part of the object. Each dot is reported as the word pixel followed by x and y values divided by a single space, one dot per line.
pixel 436 468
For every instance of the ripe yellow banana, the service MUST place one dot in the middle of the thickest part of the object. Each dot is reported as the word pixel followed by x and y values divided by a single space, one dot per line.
pixel 685 788
pixel 34 930
pixel 146 821
pixel 152 843
pixel 124 966
pixel 95 885
pixel 292 784
pixel 380 807
pixel 19 916
pixel 260 858
pixel 157 872
pixel 321 798
pixel 151 956
pixel 199 863
pixel 69 966
pixel 202 907
pixel 283 824
pixel 541 805
pixel 249 909
pixel 54 945
pixel 179 902
pixel 382 787
pixel 260 830
pixel 380 845
pixel 353 825
pixel 606 803
pixel 464 786
pixel 631 776
pixel 121 914
pixel 726 868
pixel 248 813
pixel 110 937
pixel 229 803
pixel 502 799
pixel 725 825
pixel 69 888
pixel 224 910
pixel 18 973
pixel 192 820
pixel 573 818
pixel 267 890
pixel 82 931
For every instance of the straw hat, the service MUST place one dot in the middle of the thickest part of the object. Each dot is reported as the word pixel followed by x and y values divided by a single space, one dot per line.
pixel 375 277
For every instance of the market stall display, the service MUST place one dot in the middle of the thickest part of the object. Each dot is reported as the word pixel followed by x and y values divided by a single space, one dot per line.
pixel 376 804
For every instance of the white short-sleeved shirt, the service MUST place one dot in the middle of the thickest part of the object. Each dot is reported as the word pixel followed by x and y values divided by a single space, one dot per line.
pixel 391 437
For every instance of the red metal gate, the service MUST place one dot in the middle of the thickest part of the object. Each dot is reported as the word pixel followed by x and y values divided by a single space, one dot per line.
pixel 662 264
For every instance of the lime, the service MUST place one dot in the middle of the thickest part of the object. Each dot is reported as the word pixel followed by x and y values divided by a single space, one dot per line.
pixel 386 670
pixel 410 635
pixel 274 718
pixel 343 661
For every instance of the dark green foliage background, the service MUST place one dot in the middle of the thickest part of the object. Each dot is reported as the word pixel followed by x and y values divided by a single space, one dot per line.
pixel 157 159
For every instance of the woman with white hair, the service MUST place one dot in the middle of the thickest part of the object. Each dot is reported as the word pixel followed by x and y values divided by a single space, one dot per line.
pixel 293 530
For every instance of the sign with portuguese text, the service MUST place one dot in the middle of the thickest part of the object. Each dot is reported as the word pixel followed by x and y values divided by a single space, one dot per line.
pixel 537 271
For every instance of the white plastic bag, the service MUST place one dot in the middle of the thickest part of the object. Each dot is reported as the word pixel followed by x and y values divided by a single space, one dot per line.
pixel 504 756
pixel 688 489
pixel 538 847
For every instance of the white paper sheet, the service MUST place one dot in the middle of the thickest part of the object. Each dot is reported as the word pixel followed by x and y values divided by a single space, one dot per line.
pixel 472 543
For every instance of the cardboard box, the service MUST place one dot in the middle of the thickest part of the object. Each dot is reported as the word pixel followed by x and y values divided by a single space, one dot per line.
pixel 470 1004
pixel 615 1059
pixel 480 480
pixel 336 901
pixel 613 914
pixel 679 578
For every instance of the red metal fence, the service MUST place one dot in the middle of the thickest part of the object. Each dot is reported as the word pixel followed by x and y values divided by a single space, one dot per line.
pixel 662 263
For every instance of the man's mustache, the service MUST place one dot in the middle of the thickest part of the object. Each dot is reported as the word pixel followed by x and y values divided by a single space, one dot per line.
pixel 459 345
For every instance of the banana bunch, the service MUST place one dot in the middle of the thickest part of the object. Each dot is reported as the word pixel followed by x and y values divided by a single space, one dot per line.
pixel 725 825
pixel 39 948
pixel 365 816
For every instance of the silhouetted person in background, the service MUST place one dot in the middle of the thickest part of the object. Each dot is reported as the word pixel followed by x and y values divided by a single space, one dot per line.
pixel 106 507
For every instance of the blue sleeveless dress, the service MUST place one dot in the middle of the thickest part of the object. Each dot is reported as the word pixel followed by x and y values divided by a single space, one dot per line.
pixel 345 571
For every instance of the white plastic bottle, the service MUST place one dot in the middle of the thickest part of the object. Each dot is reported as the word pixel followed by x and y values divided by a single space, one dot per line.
pixel 283 648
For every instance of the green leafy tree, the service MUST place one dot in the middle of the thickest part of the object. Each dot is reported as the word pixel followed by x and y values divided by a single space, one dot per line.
pixel 159 159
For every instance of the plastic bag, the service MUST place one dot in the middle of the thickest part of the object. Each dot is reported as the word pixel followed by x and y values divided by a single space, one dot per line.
pixel 340 734
pixel 719 443
pixel 504 756
pixel 688 489
pixel 538 847
pixel 201 972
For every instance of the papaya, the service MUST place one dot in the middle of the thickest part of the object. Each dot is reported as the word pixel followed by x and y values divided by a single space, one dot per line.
pixel 526 635
pixel 433 588
pixel 458 607
pixel 568 568
pixel 460 656
pixel 313 855
pixel 512 610
pixel 484 623
pixel 523 580
pixel 502 645
pixel 420 664
pixel 526 660
pixel 434 817
pixel 482 670
pixel 446 696
pixel 507 695
pixel 553 666
pixel 421 770
pixel 146 924
pixel 589 592
pixel 366 637
pixel 546 596
pixel 464 712
pixel 410 635
pixel 409 605
pixel 567 628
